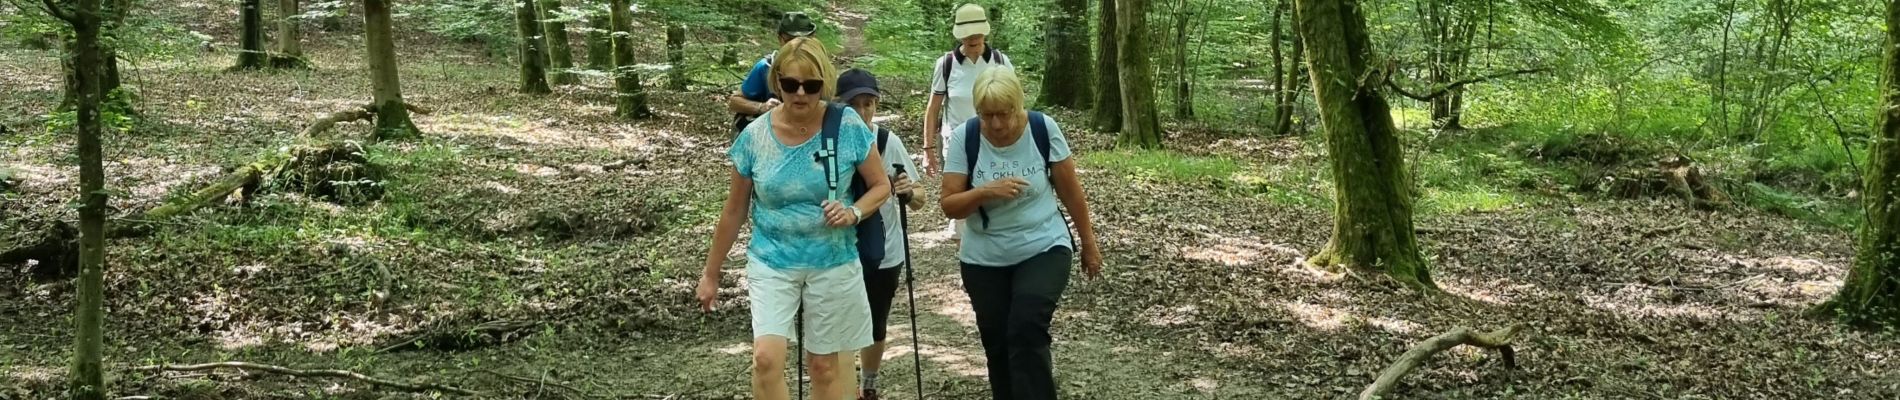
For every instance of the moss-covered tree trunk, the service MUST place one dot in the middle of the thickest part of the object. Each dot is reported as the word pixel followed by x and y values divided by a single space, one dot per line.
pixel 1066 56
pixel 392 118
pixel 630 101
pixel 600 48
pixel 1372 215
pixel 251 53
pixel 560 46
pixel 1107 113
pixel 675 57
pixel 88 55
pixel 1871 294
pixel 1141 127
pixel 534 72
pixel 289 52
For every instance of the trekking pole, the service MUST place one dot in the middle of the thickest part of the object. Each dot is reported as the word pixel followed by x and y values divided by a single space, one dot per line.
pixel 910 282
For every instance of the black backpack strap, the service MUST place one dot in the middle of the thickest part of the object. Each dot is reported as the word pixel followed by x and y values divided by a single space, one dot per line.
pixel 972 146
pixel 943 68
pixel 883 139
pixel 828 154
pixel 1039 132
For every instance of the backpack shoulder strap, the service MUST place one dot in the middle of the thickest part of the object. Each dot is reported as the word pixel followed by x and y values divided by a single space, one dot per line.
pixel 972 146
pixel 943 68
pixel 828 135
pixel 883 139
pixel 1039 131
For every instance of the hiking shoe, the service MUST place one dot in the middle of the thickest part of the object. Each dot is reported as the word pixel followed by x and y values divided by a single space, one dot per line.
pixel 869 394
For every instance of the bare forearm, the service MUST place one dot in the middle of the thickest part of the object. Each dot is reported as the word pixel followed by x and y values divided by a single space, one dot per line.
pixel 933 122
pixel 872 170
pixel 961 204
pixel 1074 199
pixel 723 236
pixel 740 105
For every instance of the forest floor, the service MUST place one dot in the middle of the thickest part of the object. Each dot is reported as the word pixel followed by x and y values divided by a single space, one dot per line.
pixel 585 235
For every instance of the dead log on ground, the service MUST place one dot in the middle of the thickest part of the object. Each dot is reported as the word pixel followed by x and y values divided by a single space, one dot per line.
pixel 1412 359
pixel 315 373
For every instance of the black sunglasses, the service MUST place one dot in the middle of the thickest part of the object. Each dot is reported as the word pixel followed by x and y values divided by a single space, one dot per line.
pixel 791 86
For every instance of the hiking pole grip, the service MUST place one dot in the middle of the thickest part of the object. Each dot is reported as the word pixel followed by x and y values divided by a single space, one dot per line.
pixel 902 198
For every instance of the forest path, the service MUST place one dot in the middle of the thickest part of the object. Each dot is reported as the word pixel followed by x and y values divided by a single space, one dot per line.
pixel 851 27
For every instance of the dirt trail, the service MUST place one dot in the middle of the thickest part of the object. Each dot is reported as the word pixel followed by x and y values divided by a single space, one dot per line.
pixel 851 28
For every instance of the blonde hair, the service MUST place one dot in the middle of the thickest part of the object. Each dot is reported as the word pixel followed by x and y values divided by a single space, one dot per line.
pixel 998 88
pixel 810 52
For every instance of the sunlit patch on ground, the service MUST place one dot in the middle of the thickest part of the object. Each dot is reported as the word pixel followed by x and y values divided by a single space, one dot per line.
pixel 1640 303
pixel 950 299
pixel 1319 317
pixel 1166 317
pixel 31 374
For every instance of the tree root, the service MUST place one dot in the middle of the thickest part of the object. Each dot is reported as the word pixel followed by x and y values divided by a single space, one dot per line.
pixel 1412 359
pixel 364 112
pixel 327 373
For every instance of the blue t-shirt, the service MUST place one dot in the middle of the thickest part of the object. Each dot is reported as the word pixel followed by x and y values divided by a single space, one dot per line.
pixel 789 191
pixel 1019 228
pixel 755 88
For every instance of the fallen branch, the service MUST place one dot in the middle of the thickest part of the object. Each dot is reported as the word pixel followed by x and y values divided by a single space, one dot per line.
pixel 1412 359
pixel 1441 91
pixel 326 373
pixel 543 382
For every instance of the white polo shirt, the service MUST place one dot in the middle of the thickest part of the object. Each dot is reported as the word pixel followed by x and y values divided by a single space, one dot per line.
pixel 960 104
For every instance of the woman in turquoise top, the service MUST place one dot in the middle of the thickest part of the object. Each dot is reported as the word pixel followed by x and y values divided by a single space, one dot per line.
pixel 803 246
pixel 1016 250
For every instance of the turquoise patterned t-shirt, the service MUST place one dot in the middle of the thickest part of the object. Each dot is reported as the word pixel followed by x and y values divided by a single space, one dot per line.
pixel 789 191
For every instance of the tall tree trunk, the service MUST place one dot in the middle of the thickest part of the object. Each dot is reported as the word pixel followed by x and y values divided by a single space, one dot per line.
pixel 1871 294
pixel 87 375
pixel 392 118
pixel 251 53
pixel 534 72
pixel 1372 215
pixel 560 47
pixel 1720 94
pixel 1284 82
pixel 1183 92
pixel 630 101
pixel 676 57
pixel 1108 93
pixel 600 48
pixel 1140 126
pixel 289 52
pixel 1066 54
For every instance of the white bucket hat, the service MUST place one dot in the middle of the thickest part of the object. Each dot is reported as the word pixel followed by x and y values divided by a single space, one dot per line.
pixel 971 19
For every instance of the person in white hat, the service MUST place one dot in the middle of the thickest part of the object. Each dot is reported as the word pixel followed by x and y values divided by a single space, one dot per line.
pixel 951 102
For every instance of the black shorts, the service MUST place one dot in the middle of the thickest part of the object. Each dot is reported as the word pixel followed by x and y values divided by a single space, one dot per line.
pixel 881 286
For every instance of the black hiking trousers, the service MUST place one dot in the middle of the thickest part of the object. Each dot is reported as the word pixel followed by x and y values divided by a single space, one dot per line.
pixel 1014 305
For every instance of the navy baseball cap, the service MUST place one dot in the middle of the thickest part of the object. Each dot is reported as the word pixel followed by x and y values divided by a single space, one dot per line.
pixel 854 82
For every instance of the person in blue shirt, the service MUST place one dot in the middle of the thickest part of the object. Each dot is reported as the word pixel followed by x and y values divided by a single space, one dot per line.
pixel 1016 249
pixel 791 182
pixel 754 96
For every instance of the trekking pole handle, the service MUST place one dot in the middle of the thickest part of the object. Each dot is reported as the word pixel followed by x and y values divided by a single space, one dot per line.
pixel 902 198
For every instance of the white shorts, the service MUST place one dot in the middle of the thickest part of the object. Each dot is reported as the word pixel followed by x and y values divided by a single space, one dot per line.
pixel 837 312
